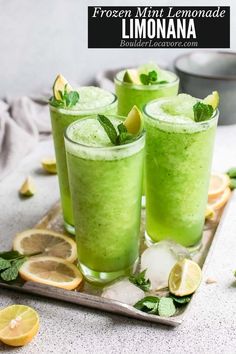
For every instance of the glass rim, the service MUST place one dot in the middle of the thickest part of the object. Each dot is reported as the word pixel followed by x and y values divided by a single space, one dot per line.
pixel 86 111
pixel 139 139
pixel 190 123
pixel 147 87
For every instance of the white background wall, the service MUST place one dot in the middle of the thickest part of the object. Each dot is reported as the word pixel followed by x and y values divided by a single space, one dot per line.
pixel 38 39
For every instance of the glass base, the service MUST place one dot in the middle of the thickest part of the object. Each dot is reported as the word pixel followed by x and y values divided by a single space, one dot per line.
pixel 192 249
pixel 69 228
pixel 105 277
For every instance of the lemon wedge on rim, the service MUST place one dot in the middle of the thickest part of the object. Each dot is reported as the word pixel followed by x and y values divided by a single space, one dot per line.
pixel 131 76
pixel 213 99
pixel 134 121
pixel 59 86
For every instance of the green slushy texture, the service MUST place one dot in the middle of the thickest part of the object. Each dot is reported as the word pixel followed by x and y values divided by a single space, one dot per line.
pixel 92 100
pixel 106 194
pixel 178 163
pixel 130 94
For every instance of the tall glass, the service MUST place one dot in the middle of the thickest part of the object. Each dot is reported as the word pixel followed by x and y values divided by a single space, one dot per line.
pixel 105 185
pixel 178 163
pixel 92 103
pixel 129 94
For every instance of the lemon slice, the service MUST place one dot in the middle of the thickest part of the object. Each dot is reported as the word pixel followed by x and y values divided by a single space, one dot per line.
pixel 52 271
pixel 213 99
pixel 28 188
pixel 184 278
pixel 18 325
pixel 59 86
pixel 45 242
pixel 131 76
pixel 134 121
pixel 218 183
pixel 49 165
pixel 219 202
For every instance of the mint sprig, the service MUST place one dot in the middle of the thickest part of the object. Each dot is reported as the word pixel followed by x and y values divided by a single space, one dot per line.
pixel 202 111
pixel 10 263
pixel 162 306
pixel 140 280
pixel 117 138
pixel 150 78
pixel 68 99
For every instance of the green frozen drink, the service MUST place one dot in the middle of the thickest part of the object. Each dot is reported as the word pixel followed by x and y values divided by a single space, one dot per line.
pixel 105 182
pixel 91 100
pixel 180 134
pixel 138 86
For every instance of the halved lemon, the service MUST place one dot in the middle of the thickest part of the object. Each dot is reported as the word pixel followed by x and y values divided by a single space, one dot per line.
pixel 49 165
pixel 134 121
pixel 185 277
pixel 131 76
pixel 59 86
pixel 18 325
pixel 213 99
pixel 218 183
pixel 52 271
pixel 219 202
pixel 28 187
pixel 45 242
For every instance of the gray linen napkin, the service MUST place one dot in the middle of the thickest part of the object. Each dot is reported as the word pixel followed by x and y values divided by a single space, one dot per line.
pixel 23 122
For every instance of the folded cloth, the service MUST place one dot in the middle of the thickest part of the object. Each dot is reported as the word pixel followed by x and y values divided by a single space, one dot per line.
pixel 23 122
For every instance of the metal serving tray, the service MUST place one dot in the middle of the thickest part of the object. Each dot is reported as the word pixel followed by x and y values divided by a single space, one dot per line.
pixel 89 295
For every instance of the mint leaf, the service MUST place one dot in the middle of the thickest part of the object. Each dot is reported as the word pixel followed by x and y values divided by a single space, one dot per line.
pixel 4 264
pixel 166 307
pixel 232 172
pixel 10 274
pixel 202 111
pixel 232 184
pixel 122 128
pixel 144 79
pixel 151 78
pixel 148 79
pixel 124 138
pixel 10 263
pixel 148 304
pixel 109 128
pixel 140 280
pixel 180 300
pixel 162 82
pixel 10 255
pixel 152 75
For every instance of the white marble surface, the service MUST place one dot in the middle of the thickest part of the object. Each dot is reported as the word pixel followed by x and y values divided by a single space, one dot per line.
pixel 210 326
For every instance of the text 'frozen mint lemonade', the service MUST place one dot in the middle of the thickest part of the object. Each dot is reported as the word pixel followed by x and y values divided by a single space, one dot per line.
pixel 66 106
pixel 180 134
pixel 105 163
pixel 138 86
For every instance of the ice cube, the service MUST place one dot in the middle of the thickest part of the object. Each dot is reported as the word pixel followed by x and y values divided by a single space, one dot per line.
pixel 123 291
pixel 159 259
